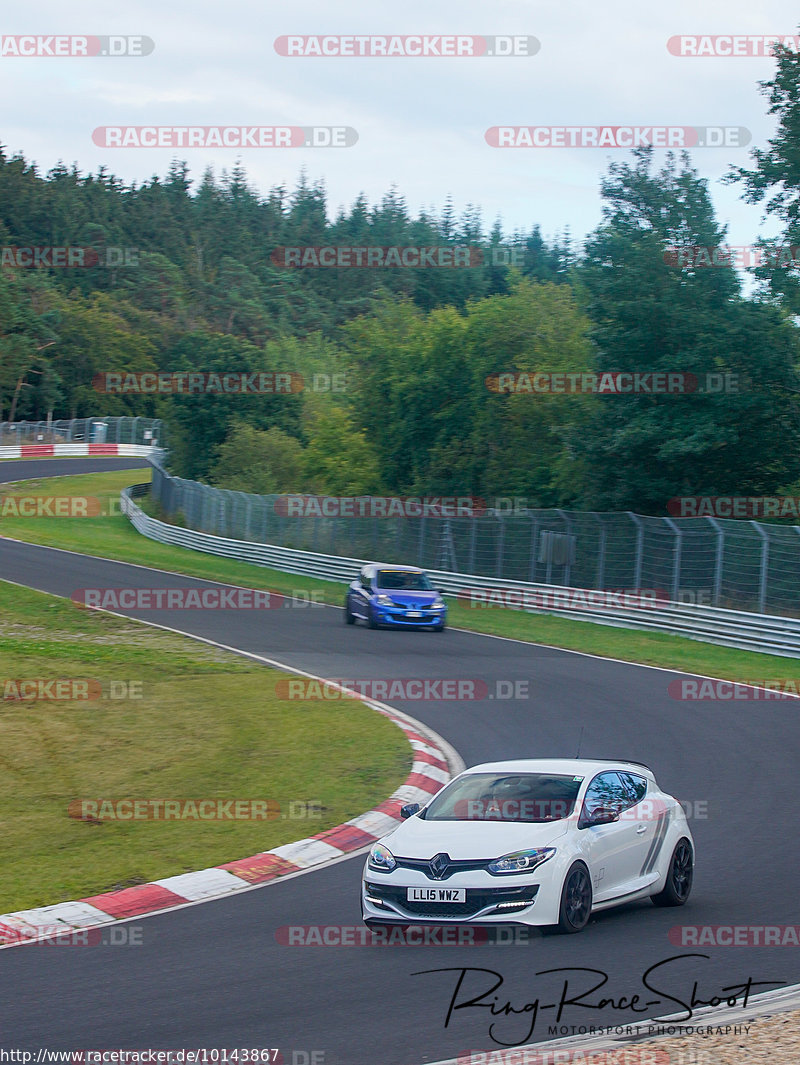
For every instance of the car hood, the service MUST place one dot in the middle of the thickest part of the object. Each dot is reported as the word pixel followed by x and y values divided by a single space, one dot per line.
pixel 464 840
pixel 411 598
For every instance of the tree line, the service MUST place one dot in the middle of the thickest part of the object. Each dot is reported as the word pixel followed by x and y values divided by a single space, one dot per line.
pixel 401 365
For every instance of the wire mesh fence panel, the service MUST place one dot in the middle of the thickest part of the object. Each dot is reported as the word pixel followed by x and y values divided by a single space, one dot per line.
pixel 783 572
pixel 741 565
pixel 738 576
pixel 111 430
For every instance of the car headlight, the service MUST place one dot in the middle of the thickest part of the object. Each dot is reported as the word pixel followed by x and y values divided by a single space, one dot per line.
pixel 520 861
pixel 437 604
pixel 381 859
pixel 384 600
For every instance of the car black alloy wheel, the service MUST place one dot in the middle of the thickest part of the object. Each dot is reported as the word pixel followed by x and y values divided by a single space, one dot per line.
pixel 349 619
pixel 576 900
pixel 679 876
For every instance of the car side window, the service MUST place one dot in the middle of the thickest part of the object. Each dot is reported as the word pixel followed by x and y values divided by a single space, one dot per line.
pixel 606 792
pixel 364 578
pixel 636 785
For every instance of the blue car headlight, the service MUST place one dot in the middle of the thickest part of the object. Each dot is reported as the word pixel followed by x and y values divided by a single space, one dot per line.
pixel 520 861
pixel 438 604
pixel 381 859
pixel 384 600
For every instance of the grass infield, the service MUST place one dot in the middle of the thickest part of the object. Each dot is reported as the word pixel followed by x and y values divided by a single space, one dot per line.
pixel 169 718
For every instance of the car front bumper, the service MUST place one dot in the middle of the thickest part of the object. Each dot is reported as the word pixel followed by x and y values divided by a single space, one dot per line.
pixel 530 900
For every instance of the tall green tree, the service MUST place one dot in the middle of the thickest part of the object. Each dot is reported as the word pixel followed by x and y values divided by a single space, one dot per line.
pixel 775 180
pixel 648 315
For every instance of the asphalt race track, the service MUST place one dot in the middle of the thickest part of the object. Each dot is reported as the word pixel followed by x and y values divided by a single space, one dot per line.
pixel 214 975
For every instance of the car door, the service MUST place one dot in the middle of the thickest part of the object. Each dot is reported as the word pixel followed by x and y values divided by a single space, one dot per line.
pixel 649 812
pixel 359 599
pixel 615 851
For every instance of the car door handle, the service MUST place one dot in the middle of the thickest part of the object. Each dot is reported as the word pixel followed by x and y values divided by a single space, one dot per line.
pixel 641 829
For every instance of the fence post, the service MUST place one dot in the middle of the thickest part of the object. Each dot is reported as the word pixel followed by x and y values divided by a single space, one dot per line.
pixel 599 580
pixel 764 569
pixel 718 561
pixel 501 543
pixel 637 572
pixel 567 565
pixel 676 559
pixel 473 533
pixel 534 533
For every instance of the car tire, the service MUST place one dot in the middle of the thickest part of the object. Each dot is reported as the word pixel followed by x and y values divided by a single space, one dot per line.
pixel 349 619
pixel 373 624
pixel 439 628
pixel 575 907
pixel 679 876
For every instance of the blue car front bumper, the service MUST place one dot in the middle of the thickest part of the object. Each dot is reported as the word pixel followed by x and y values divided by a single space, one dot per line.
pixel 400 618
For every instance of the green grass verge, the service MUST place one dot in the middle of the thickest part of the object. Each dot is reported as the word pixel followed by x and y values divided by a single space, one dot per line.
pixel 114 537
pixel 205 723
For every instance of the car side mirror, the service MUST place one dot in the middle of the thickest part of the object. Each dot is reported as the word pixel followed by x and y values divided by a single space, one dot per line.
pixel 409 809
pixel 603 815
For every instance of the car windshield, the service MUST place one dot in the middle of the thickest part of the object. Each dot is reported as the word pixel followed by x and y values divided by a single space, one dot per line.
pixel 401 580
pixel 528 797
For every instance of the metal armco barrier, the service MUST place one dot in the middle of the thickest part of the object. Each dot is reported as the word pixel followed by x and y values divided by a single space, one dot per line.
pixel 732 628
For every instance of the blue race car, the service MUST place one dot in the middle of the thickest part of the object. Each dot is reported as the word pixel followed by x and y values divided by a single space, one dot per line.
pixel 399 597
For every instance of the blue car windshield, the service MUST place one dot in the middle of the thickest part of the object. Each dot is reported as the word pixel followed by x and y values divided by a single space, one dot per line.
pixel 400 580
pixel 529 797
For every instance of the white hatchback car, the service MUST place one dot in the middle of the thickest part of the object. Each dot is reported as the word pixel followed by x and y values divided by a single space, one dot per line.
pixel 534 842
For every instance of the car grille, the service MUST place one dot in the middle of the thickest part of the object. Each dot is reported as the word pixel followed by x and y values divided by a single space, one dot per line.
pixel 476 900
pixel 422 865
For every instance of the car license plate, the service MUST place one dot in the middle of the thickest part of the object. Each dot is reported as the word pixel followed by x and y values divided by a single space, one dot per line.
pixel 436 894
pixel 414 614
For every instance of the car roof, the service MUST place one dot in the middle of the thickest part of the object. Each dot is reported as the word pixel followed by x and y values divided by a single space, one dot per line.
pixel 566 766
pixel 388 565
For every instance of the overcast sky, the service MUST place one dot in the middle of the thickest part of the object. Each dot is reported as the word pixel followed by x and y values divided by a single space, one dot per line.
pixel 420 121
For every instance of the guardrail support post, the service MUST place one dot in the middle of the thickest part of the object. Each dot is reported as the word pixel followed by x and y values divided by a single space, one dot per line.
pixel 764 568
pixel 534 532
pixel 637 571
pixel 676 559
pixel 718 561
